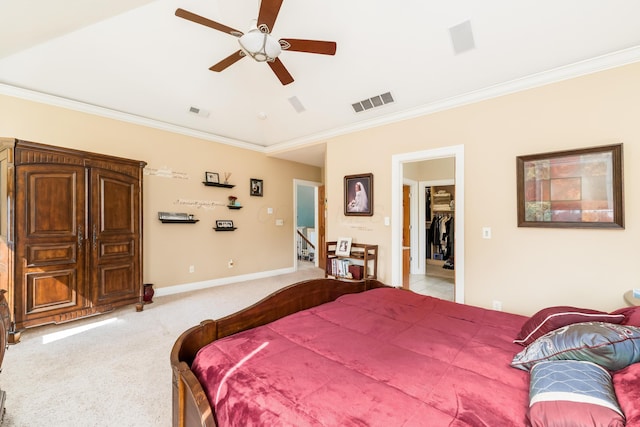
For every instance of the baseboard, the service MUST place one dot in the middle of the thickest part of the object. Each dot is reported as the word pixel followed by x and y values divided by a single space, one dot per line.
pixel 194 286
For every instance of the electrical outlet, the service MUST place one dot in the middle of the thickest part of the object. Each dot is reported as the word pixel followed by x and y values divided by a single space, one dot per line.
pixel 497 305
pixel 192 268
pixel 230 264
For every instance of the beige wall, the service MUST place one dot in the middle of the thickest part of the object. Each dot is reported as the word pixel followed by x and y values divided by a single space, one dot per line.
pixel 525 268
pixel 433 170
pixel 169 249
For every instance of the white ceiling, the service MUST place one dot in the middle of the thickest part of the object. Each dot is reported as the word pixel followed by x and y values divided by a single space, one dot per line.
pixel 135 60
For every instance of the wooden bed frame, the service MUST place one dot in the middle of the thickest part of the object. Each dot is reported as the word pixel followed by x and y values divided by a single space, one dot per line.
pixel 190 405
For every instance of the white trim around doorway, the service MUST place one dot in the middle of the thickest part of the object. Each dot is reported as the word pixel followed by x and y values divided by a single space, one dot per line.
pixel 397 161
pixel 315 185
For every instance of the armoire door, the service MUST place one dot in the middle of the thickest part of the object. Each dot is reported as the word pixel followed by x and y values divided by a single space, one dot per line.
pixel 115 237
pixel 50 260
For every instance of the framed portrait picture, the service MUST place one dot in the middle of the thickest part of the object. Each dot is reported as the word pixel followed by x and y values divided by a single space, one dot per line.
pixel 255 187
pixel 343 246
pixel 571 189
pixel 358 195
pixel 212 177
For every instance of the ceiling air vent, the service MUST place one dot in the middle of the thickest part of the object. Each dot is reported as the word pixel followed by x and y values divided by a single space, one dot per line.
pixel 296 104
pixel 374 102
pixel 199 111
pixel 462 37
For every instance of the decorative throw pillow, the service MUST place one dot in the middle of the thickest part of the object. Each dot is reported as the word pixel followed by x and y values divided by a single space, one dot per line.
pixel 631 315
pixel 551 318
pixel 572 393
pixel 626 383
pixel 611 346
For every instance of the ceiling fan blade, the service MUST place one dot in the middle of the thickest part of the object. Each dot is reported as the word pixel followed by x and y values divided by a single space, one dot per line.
pixel 228 61
pixel 311 46
pixel 281 72
pixel 190 16
pixel 269 10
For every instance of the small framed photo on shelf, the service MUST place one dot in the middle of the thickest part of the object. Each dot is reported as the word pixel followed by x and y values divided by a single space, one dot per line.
pixel 343 246
pixel 224 223
pixel 255 186
pixel 212 177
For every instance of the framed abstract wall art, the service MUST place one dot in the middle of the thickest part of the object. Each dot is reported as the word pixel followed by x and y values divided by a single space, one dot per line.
pixel 571 189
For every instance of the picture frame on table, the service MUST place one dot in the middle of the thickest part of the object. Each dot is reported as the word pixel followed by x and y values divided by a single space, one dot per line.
pixel 358 195
pixel 579 188
pixel 343 246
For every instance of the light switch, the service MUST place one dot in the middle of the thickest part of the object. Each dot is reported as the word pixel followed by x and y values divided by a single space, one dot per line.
pixel 486 232
pixel 270 211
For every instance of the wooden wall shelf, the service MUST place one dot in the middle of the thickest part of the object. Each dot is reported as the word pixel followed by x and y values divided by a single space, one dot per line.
pixel 176 218
pixel 217 184
pixel 224 228
pixel 234 206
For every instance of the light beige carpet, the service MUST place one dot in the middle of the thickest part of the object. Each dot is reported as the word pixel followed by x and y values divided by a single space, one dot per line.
pixel 116 373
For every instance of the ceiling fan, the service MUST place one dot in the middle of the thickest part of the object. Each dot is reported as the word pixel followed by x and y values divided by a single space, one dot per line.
pixel 258 42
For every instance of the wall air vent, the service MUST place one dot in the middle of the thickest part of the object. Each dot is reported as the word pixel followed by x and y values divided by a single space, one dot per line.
pixel 376 101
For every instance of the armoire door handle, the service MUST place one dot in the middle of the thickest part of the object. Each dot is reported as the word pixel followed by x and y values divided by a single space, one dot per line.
pixel 94 236
pixel 80 236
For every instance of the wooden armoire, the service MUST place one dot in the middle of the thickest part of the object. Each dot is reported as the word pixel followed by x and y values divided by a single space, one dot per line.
pixel 70 232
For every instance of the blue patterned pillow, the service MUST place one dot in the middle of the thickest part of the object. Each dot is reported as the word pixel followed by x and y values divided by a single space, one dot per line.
pixel 571 392
pixel 611 346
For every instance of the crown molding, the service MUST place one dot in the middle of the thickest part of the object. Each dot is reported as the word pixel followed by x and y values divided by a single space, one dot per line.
pixel 70 104
pixel 589 66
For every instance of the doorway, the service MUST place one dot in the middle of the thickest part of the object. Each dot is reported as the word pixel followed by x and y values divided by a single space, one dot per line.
pixel 428 212
pixel 306 235
pixel 397 180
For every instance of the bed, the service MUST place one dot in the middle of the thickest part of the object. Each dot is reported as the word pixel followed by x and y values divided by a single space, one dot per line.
pixel 334 353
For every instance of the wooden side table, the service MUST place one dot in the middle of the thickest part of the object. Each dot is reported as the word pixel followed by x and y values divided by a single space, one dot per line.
pixel 630 299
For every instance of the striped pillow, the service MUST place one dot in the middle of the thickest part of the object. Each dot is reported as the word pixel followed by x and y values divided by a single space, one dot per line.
pixel 552 318
pixel 571 392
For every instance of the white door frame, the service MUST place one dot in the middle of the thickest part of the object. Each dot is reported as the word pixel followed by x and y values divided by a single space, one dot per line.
pixel 397 161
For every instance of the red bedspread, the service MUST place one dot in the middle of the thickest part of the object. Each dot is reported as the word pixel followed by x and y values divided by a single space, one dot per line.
pixel 385 357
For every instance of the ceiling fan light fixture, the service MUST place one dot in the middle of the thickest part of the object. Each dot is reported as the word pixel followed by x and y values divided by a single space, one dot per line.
pixel 260 46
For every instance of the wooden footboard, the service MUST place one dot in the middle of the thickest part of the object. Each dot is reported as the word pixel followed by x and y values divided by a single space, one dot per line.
pixel 190 405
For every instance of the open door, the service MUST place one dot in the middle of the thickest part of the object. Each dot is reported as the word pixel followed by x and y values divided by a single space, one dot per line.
pixel 322 237
pixel 406 235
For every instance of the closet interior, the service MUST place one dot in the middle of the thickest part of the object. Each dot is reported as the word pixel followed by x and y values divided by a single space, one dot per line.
pixel 440 215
